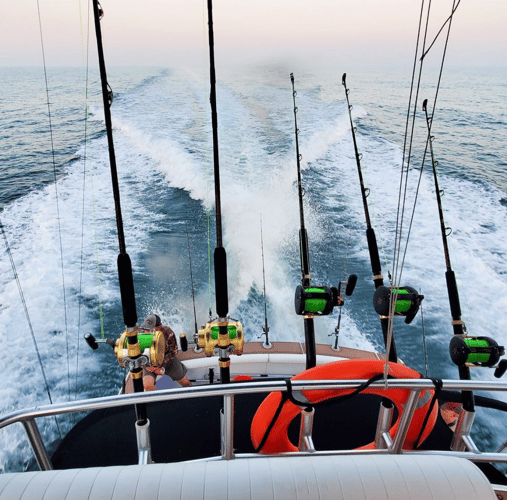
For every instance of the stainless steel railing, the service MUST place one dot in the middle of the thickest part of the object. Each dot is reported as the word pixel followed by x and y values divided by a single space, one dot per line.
pixel 384 442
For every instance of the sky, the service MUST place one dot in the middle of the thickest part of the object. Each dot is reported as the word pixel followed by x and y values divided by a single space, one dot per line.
pixel 174 32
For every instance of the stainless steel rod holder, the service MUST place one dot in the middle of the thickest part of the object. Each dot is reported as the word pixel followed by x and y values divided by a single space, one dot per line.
pixel 405 420
pixel 463 428
pixel 385 419
pixel 144 443
pixel 227 427
pixel 305 431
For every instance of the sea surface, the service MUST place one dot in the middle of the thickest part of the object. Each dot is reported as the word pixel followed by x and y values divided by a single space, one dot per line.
pixel 58 214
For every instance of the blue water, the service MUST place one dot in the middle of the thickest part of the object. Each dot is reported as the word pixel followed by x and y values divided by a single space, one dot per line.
pixel 163 149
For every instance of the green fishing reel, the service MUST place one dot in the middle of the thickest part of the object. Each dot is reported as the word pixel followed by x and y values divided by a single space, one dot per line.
pixel 477 351
pixel 317 300
pixel 407 304
pixel 321 300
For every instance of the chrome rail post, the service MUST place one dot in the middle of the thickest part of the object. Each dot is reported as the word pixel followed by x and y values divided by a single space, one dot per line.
pixel 385 420
pixel 463 428
pixel 227 427
pixel 405 420
pixel 470 444
pixel 41 454
pixel 305 431
pixel 143 443
pixel 502 447
pixel 387 439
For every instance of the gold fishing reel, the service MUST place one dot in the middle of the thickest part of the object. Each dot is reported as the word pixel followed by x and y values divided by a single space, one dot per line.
pixel 149 345
pixel 209 338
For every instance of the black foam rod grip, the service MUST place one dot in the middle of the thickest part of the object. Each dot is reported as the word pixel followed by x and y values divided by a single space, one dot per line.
pixel 452 290
pixel 221 293
pixel 374 255
pixel 305 252
pixel 128 298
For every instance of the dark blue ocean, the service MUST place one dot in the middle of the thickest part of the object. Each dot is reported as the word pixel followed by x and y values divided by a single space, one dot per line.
pixel 58 213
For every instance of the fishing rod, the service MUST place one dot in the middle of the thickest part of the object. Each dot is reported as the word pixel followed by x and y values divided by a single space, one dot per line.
pixel 311 355
pixel 345 287
pixel 230 333
pixel 378 278
pixel 465 350
pixel 127 348
pixel 265 328
pixel 311 301
pixel 406 299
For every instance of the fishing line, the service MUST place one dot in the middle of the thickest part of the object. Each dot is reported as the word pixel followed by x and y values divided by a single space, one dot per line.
pixel 397 278
pixel 398 269
pixel 426 365
pixel 30 327
pixel 84 189
pixel 94 212
pixel 56 195
pixel 405 170
pixel 427 139
pixel 191 279
pixel 448 20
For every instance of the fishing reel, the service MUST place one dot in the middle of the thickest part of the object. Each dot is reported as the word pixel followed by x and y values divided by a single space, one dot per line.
pixel 477 351
pixel 209 338
pixel 320 301
pixel 151 346
pixel 407 304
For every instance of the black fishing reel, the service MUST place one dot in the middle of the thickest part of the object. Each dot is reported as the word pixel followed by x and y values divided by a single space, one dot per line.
pixel 321 300
pixel 407 304
pixel 477 351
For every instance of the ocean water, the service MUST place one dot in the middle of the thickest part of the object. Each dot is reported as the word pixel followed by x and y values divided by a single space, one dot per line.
pixel 59 219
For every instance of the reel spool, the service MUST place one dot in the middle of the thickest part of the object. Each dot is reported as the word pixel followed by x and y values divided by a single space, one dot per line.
pixel 321 300
pixel 152 347
pixel 209 338
pixel 407 304
pixel 477 351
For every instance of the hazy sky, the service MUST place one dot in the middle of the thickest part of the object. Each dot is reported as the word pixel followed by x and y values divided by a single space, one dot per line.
pixel 173 32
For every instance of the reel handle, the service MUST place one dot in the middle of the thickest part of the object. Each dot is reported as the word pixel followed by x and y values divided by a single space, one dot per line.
pixel 90 340
pixel 351 284
pixel 501 368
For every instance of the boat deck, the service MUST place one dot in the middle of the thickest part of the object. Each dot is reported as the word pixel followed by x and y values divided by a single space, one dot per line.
pixel 291 348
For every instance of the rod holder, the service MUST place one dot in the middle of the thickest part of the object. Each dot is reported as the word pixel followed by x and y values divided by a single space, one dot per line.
pixel 385 420
pixel 144 443
pixel 405 420
pixel 463 428
pixel 305 431
pixel 227 427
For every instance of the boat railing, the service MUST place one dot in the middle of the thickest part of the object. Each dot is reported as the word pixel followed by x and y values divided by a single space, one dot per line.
pixel 462 446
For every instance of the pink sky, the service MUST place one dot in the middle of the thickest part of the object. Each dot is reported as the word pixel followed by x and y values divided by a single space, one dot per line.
pixel 173 32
